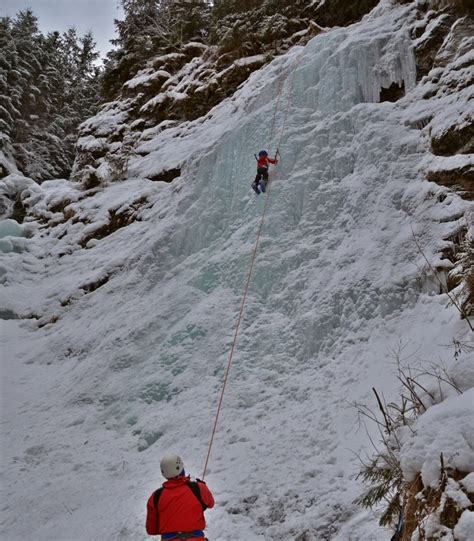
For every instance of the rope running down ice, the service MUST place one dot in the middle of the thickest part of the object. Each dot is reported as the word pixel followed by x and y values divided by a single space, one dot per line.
pixel 252 264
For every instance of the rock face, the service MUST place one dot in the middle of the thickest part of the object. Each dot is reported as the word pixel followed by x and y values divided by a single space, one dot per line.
pixel 341 12
pixel 462 7
pixel 455 140
pixel 460 179
pixel 443 43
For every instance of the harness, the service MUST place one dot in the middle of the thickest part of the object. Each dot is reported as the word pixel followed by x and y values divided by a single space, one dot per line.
pixel 178 536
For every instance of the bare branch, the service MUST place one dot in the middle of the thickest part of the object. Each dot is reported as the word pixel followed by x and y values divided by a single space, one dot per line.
pixel 444 289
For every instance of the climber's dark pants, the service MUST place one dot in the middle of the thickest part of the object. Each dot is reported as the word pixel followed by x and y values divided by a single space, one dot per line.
pixel 262 172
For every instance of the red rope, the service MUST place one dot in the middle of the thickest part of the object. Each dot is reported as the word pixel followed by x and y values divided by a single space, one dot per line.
pixel 275 111
pixel 247 285
pixel 290 91
pixel 234 343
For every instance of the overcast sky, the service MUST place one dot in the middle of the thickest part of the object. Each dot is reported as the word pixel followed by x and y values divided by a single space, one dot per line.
pixel 95 15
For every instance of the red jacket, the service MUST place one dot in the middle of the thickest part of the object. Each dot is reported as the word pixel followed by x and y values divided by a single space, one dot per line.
pixel 262 161
pixel 178 508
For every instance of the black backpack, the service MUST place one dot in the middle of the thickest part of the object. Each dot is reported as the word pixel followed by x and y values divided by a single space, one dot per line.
pixel 193 485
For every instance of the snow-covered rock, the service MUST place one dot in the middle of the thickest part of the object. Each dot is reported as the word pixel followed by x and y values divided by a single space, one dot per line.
pixel 446 428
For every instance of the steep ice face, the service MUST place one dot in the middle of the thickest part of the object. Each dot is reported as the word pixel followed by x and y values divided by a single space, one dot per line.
pixel 338 163
pixel 133 369
pixel 339 72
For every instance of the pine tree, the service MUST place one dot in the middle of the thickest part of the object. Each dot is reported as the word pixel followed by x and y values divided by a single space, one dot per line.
pixel 48 86
pixel 191 20
pixel 250 26
pixel 152 27
pixel 223 8
pixel 8 96
pixel 25 71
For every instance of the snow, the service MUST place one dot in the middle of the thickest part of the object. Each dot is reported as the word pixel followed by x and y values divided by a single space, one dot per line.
pixel 146 77
pixel 468 483
pixel 453 493
pixel 446 428
pixel 449 163
pixel 465 527
pixel 249 60
pixel 6 161
pixel 455 378
pixel 163 98
pixel 463 375
pixel 122 343
pixel 11 187
pixel 108 120
pixel 15 183
pixel 170 56
pixel 90 143
pixel 51 194
pixel 195 45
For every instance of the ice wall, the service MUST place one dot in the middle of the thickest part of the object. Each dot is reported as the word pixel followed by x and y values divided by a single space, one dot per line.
pixel 132 369
pixel 333 191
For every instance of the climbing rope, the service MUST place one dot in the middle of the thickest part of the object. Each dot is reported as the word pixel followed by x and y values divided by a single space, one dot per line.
pixel 239 320
pixel 275 109
pixel 290 92
pixel 252 264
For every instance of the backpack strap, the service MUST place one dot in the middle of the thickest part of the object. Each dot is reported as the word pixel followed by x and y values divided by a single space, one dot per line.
pixel 194 486
pixel 156 497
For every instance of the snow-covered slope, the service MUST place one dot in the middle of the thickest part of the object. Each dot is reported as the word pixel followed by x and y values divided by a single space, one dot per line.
pixel 123 355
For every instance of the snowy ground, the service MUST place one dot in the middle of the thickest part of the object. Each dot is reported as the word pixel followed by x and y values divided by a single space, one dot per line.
pixel 132 369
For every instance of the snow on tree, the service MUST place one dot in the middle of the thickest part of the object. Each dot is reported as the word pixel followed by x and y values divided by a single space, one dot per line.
pixel 151 27
pixel 49 86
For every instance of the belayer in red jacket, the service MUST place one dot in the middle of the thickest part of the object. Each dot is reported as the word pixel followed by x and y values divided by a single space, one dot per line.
pixel 176 510
pixel 261 180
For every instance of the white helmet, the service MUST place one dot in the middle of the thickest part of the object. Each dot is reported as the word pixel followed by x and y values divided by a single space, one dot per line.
pixel 171 466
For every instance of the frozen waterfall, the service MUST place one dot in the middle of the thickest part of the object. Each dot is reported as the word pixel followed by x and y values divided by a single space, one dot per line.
pixel 133 369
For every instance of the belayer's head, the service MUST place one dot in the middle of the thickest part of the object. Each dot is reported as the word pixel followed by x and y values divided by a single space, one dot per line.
pixel 263 153
pixel 172 466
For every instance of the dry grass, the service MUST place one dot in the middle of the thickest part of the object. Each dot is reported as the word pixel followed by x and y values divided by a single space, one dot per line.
pixel 422 502
pixel 383 474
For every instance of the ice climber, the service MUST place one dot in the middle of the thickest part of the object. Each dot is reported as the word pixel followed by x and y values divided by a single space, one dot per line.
pixel 261 180
pixel 176 510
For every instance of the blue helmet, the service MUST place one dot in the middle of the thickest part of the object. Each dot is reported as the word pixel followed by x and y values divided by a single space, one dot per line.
pixel 263 153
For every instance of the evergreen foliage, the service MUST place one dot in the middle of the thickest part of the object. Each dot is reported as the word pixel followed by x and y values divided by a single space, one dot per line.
pixel 49 85
pixel 222 8
pixel 250 26
pixel 152 27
